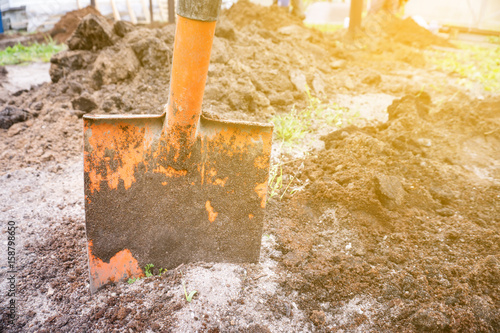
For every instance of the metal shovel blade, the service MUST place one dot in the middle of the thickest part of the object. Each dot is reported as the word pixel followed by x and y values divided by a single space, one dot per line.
pixel 148 203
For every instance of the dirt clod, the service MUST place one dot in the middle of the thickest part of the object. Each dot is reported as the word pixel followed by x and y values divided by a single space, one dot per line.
pixel 84 103
pixel 318 317
pixel 93 32
pixel 69 22
pixel 11 115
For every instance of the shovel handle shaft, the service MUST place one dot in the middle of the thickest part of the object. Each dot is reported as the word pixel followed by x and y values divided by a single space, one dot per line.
pixel 192 47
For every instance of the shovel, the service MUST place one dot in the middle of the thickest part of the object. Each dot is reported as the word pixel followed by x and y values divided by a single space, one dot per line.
pixel 178 187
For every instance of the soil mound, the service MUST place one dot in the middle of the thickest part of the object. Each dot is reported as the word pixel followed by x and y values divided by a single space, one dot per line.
pixel 392 211
pixel 69 22
pixel 408 32
pixel 244 12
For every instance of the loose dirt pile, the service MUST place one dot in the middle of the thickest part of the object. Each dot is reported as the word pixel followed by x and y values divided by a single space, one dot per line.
pixel 391 227
pixel 403 218
pixel 69 22
pixel 254 73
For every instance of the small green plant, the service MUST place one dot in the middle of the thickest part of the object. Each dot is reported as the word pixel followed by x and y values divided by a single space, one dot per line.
pixel 189 296
pixel 472 64
pixel 295 124
pixel 289 127
pixel 148 271
pixel 275 183
pixel 35 52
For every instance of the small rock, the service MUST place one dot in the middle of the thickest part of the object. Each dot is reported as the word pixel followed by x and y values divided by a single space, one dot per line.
pixel 225 29
pixel 299 80
pixel 339 63
pixel 84 103
pixel 16 129
pixel 76 87
pixel 372 79
pixel 318 317
pixel 389 188
pixel 424 142
pixel 123 313
pixel 38 106
pixel 318 85
pixel 11 115
pixel 348 83
pixel 483 308
pixel 445 212
pixel 121 28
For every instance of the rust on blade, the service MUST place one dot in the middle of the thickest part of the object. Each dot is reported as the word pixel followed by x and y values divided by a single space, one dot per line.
pixel 121 266
pixel 145 205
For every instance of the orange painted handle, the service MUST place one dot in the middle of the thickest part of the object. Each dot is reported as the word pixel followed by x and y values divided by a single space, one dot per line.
pixel 192 47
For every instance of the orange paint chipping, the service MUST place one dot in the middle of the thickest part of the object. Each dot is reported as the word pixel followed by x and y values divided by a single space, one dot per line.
pixel 212 215
pixel 111 143
pixel 170 172
pixel 220 182
pixel 120 267
pixel 261 162
pixel 250 216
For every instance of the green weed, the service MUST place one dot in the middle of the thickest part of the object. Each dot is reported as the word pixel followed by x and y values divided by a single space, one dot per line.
pixel 473 63
pixel 294 125
pixel 275 183
pixel 148 271
pixel 35 52
pixel 189 296
pixel 289 127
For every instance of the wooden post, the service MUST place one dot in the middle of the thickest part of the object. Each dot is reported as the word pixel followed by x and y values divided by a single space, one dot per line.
pixel 131 13
pixel 151 11
pixel 116 14
pixel 145 11
pixel 355 16
pixel 171 11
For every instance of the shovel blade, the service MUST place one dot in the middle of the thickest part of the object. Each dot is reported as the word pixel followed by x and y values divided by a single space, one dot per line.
pixel 146 203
